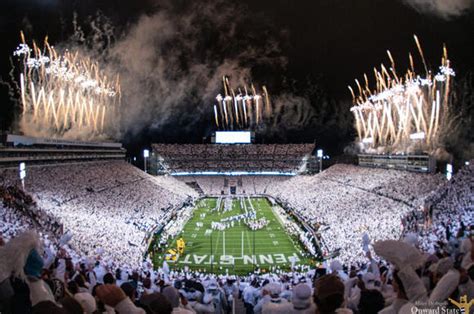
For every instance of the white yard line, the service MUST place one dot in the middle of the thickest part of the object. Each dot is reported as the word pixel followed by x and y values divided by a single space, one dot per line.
pixel 217 244
pixel 249 243
pixel 242 242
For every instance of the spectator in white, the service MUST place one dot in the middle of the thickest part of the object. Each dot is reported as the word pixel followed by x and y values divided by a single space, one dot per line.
pixel 99 271
pixel 301 301
pixel 218 297
pixel 249 296
pixel 230 289
pixel 276 303
pixel 264 299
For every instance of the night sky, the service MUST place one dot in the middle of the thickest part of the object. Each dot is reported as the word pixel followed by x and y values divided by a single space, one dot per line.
pixel 321 47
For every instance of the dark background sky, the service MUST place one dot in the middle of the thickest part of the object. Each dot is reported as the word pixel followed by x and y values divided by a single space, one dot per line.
pixel 329 41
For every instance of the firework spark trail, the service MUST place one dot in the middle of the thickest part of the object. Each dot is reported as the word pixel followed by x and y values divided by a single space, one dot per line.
pixel 65 94
pixel 241 110
pixel 403 110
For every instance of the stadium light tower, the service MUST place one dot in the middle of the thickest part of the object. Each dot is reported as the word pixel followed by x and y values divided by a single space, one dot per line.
pixel 22 172
pixel 319 154
pixel 146 154
pixel 449 171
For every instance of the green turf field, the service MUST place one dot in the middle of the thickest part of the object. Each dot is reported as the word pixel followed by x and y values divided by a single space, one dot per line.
pixel 233 249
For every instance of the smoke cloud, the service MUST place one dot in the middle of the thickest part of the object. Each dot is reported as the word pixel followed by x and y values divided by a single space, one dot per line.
pixel 171 63
pixel 446 9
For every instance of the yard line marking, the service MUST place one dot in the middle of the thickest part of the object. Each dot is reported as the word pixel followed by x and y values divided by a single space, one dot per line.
pixel 242 242
pixel 248 241
pixel 217 245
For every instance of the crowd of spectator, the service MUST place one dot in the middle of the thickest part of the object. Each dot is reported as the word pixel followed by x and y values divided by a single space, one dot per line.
pixel 222 158
pixel 107 207
pixel 399 279
pixel 343 202
pixel 384 265
pixel 244 185
pixel 13 223
pixel 448 209
pixel 14 197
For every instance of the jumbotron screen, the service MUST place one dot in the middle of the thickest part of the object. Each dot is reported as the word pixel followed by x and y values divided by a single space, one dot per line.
pixel 233 137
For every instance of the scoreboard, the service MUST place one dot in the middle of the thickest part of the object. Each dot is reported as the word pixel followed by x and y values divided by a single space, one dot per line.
pixel 233 137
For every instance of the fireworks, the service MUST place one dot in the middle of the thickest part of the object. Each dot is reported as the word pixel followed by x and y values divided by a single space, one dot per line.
pixel 65 95
pixel 404 111
pixel 243 110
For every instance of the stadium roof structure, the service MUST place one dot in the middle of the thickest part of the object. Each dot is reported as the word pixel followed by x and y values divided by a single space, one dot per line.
pixel 22 140
pixel 16 149
pixel 254 159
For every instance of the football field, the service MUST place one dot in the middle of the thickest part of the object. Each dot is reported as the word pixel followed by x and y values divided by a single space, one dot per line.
pixel 237 249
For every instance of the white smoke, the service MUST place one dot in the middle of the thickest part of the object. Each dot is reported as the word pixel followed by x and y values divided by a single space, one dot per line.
pixel 292 112
pixel 171 63
pixel 446 9
pixel 169 75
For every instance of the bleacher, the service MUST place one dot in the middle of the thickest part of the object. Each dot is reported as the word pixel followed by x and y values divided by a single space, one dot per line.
pixel 19 148
pixel 414 163
pixel 221 159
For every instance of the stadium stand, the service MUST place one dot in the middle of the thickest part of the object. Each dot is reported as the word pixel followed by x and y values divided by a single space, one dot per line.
pixel 342 202
pixel 108 205
pixel 18 148
pixel 288 158
pixel 240 185
pixel 13 222
pixel 96 201
pixel 449 208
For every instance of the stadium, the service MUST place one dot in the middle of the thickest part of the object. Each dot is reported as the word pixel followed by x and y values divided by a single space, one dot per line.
pixel 235 222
